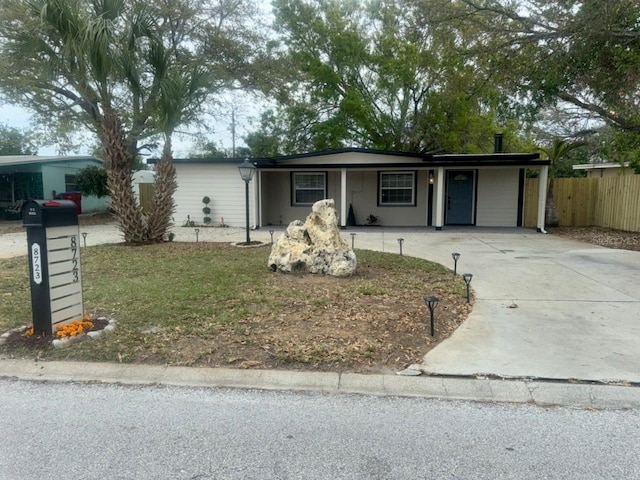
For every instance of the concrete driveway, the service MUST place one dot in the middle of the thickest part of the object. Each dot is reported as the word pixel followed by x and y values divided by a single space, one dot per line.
pixel 545 307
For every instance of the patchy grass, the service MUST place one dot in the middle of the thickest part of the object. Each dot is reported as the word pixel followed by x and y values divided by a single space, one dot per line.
pixel 216 305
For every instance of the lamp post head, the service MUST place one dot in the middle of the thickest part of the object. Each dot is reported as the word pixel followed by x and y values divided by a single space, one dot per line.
pixel 431 302
pixel 271 232
pixel 467 277
pixel 400 240
pixel 246 170
pixel 455 256
pixel 197 230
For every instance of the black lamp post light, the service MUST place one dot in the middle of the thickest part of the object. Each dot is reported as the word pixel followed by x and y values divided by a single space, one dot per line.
pixel 456 257
pixel 431 303
pixel 246 170
pixel 84 238
pixel 271 233
pixel 197 230
pixel 467 279
pixel 353 239
pixel 400 242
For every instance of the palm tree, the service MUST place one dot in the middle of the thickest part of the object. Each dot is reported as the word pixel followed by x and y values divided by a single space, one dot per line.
pixel 103 51
pixel 180 94
pixel 556 151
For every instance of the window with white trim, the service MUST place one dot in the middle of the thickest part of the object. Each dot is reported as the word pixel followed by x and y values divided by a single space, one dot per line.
pixel 397 188
pixel 309 187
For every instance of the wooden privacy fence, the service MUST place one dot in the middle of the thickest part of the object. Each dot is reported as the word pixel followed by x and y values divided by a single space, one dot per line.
pixel 146 195
pixel 612 202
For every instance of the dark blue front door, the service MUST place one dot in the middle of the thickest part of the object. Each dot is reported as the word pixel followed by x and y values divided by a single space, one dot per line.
pixel 459 208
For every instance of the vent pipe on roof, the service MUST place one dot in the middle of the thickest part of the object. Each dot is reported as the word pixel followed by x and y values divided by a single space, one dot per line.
pixel 497 143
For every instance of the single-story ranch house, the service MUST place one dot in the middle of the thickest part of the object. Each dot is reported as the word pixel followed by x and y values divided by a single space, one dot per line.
pixel 398 189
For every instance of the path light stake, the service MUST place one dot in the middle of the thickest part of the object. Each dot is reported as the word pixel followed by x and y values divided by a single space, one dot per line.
pixel 271 233
pixel 353 239
pixel 467 279
pixel 401 241
pixel 431 303
pixel 84 238
pixel 197 230
pixel 455 256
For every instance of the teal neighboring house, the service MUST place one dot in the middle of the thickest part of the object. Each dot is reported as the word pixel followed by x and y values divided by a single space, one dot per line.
pixel 32 176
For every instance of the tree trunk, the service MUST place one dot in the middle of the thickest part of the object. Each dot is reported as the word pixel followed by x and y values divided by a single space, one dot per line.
pixel 551 217
pixel 160 219
pixel 117 164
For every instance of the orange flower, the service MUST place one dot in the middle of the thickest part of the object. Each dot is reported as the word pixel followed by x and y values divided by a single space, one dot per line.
pixel 74 328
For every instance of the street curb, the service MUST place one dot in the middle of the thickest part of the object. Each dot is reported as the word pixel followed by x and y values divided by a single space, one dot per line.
pixel 447 388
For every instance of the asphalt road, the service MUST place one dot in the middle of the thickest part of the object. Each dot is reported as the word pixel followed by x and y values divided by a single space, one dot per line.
pixel 97 431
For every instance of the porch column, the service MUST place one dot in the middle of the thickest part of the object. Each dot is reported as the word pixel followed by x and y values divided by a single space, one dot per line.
pixel 343 198
pixel 439 196
pixel 542 197
pixel 258 203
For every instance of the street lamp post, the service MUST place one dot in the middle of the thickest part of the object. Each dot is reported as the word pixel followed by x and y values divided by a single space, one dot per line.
pixel 246 170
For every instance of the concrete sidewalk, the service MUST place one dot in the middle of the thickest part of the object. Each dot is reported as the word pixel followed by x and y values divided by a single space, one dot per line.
pixel 545 307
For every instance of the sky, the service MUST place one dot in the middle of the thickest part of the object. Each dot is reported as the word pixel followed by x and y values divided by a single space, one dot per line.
pixel 247 113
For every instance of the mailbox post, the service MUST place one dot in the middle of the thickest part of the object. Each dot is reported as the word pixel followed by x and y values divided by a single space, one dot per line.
pixel 54 263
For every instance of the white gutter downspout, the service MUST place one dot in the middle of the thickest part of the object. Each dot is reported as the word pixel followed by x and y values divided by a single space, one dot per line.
pixel 542 197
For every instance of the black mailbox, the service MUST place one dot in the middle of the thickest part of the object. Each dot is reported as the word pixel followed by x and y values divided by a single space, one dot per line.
pixel 54 263
pixel 49 213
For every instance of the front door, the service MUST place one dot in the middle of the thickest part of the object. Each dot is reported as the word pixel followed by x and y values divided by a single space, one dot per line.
pixel 459 208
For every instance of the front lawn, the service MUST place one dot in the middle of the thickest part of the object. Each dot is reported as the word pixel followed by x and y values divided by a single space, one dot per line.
pixel 209 304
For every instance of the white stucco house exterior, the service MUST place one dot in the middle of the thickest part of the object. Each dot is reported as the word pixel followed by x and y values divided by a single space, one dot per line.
pixel 399 189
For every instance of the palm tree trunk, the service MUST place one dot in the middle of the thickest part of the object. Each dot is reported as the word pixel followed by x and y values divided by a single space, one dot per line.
pixel 160 218
pixel 552 218
pixel 117 164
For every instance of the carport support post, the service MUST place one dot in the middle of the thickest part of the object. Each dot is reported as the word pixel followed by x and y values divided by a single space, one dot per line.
pixel 542 196
pixel 439 195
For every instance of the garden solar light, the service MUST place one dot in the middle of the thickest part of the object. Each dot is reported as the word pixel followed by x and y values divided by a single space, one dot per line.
pixel 431 303
pixel 455 256
pixel 197 232
pixel 271 233
pixel 401 241
pixel 84 238
pixel 467 279
pixel 353 239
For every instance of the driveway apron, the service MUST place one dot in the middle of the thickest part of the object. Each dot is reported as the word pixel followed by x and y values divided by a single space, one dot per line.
pixel 545 307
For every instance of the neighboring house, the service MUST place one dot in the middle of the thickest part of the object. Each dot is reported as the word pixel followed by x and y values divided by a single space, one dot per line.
pixel 30 176
pixel 400 189
pixel 604 169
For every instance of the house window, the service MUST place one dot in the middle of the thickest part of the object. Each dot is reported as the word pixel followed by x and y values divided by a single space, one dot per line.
pixel 309 187
pixel 70 184
pixel 397 188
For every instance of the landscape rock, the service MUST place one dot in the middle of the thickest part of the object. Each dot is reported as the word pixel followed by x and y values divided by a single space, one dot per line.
pixel 314 246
